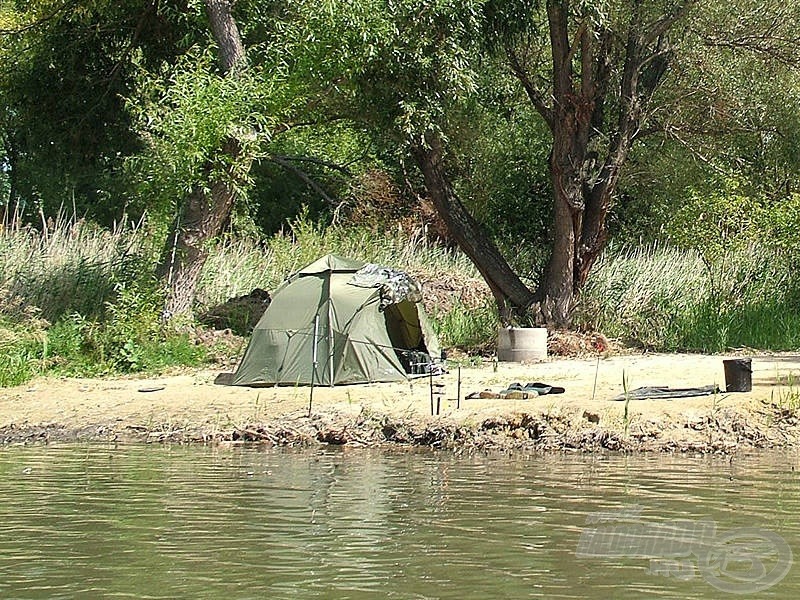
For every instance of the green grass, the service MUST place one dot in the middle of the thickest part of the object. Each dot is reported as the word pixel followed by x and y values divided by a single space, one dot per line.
pixel 788 397
pixel 668 299
pixel 21 354
pixel 79 300
pixel 238 266
pixel 465 328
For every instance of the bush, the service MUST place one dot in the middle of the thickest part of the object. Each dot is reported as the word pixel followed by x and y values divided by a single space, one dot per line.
pixel 22 353
pixel 467 328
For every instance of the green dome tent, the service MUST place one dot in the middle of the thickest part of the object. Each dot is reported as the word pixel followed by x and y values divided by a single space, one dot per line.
pixel 340 321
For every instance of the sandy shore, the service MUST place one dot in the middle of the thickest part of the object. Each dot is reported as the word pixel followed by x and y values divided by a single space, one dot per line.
pixel 189 408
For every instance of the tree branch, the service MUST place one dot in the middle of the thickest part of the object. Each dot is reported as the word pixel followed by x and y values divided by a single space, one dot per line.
pixel 557 18
pixel 578 40
pixel 317 161
pixel 305 177
pixel 694 152
pixel 783 50
pixel 602 78
pixel 534 94
pixel 664 24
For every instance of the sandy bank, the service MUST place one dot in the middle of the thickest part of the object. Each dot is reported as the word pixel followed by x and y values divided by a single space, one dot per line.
pixel 190 408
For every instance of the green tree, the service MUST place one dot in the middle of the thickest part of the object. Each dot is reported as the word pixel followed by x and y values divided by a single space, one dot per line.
pixel 65 69
pixel 205 121
pixel 220 173
pixel 602 76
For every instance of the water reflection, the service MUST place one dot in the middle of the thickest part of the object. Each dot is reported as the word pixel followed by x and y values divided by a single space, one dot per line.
pixel 159 522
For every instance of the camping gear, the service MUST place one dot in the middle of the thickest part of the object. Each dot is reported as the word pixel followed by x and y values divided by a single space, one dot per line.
pixel 517 391
pixel 503 395
pixel 666 393
pixel 340 321
pixel 518 344
pixel 539 388
pixel 437 391
pixel 738 374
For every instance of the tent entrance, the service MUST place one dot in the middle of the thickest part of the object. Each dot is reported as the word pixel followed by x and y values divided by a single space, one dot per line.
pixel 406 335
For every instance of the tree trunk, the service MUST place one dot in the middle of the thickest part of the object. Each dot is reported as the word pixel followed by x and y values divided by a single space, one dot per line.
pixel 589 148
pixel 11 157
pixel 203 216
pixel 208 206
pixel 512 296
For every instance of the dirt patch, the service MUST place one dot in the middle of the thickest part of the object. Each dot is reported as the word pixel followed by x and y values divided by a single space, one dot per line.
pixel 444 293
pixel 239 315
pixel 188 407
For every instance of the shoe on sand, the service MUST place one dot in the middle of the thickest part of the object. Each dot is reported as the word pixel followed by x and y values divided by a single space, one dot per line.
pixel 543 389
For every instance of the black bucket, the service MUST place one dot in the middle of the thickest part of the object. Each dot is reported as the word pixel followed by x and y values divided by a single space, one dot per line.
pixel 738 374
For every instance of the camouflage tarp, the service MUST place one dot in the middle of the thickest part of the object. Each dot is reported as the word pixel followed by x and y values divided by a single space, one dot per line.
pixel 395 286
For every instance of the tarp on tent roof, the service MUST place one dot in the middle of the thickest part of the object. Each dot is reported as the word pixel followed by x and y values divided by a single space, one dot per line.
pixel 323 327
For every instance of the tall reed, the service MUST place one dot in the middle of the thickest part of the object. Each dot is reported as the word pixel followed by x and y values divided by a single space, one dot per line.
pixel 68 265
pixel 238 266
pixel 669 299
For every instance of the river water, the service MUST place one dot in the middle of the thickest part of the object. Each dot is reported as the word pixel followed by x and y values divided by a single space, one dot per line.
pixel 91 521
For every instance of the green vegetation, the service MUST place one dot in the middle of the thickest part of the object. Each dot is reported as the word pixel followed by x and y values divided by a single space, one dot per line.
pixel 724 278
pixel 625 167
pixel 657 297
pixel 78 300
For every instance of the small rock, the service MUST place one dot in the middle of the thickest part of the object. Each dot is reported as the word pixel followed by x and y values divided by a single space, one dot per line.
pixel 591 417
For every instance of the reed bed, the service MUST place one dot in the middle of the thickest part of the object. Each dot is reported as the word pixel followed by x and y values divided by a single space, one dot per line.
pixel 67 265
pixel 668 299
pixel 77 299
pixel 238 266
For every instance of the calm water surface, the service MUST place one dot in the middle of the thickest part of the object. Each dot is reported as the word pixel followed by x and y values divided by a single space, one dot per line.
pixel 186 522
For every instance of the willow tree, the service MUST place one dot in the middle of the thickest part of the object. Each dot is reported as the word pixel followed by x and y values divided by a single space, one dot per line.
pixel 202 119
pixel 209 201
pixel 605 74
pixel 405 70
pixel 590 70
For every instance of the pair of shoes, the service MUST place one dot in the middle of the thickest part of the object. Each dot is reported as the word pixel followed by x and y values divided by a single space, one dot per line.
pixel 542 388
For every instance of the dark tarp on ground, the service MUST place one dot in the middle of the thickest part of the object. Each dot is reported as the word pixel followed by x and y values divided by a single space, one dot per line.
pixel 666 393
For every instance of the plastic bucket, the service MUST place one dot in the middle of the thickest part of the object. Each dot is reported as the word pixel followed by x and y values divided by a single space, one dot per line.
pixel 738 374
pixel 518 344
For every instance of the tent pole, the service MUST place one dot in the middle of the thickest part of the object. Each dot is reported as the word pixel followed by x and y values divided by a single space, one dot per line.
pixel 458 390
pixel 330 340
pixel 430 382
pixel 313 362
